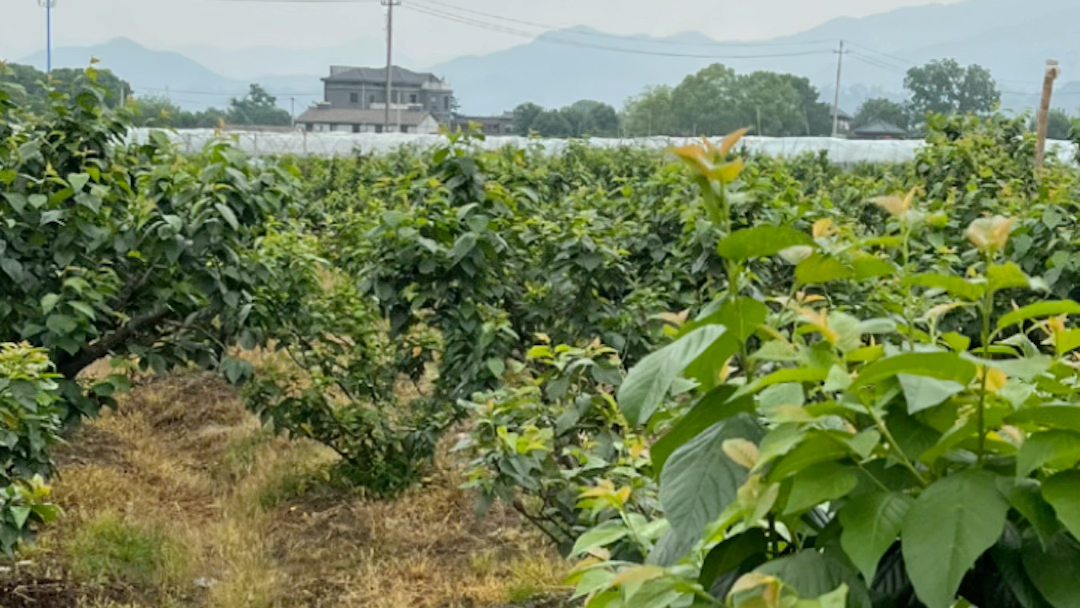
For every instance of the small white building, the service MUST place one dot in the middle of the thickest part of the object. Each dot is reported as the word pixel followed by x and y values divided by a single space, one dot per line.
pixel 323 118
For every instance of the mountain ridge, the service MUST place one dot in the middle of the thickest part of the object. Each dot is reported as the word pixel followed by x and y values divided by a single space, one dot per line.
pixel 1012 38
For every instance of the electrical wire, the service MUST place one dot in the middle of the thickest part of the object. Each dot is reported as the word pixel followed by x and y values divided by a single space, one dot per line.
pixel 617 36
pixel 531 35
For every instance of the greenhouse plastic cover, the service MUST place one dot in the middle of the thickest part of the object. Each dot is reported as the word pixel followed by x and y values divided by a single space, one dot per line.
pixel 303 143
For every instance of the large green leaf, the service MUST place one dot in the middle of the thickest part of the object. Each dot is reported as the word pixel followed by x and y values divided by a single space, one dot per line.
pixel 700 481
pixel 732 553
pixel 1039 310
pixel 813 574
pixel 923 392
pixel 1025 495
pixel 820 483
pixel 954 286
pixel 714 406
pixel 818 447
pixel 761 241
pixel 1054 570
pixel 951 524
pixel 1007 276
pixel 1048 447
pixel 943 366
pixel 818 269
pixel 1064 417
pixel 1062 491
pixel 600 536
pixel 871 524
pixel 648 383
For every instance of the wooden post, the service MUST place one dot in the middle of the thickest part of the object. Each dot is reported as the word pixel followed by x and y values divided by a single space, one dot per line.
pixel 1052 71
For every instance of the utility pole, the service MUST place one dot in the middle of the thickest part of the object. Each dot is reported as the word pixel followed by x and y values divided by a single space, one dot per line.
pixel 1052 71
pixel 836 98
pixel 48 4
pixel 389 59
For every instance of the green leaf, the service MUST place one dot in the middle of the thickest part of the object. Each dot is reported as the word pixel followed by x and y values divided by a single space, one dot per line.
pixel 813 574
pixel 600 536
pixel 741 316
pixel 1054 570
pixel 700 481
pixel 1064 417
pixel 78 181
pixel 227 213
pixel 943 366
pixel 870 267
pixel 784 376
pixel 922 392
pixel 61 325
pixel 820 483
pixel 820 446
pixel 954 286
pixel 1062 491
pixel 84 308
pixel 761 241
pixel 1039 310
pixel 20 513
pixel 48 302
pixel 819 269
pixel 1026 497
pixel 871 524
pixel 1006 276
pixel 648 383
pixel 1059 447
pixel 732 553
pixel 714 406
pixel 950 525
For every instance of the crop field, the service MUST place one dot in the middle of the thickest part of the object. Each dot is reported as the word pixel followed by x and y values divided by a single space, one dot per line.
pixel 602 376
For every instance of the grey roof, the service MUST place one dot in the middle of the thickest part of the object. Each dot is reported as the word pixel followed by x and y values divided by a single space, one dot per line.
pixel 348 116
pixel 880 127
pixel 378 75
pixel 841 114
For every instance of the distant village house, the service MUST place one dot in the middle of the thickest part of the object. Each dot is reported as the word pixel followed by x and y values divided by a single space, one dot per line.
pixel 355 101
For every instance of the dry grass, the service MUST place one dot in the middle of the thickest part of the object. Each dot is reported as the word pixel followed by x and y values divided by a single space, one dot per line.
pixel 245 520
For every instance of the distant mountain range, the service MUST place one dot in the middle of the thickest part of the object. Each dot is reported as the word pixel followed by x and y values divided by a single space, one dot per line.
pixel 1012 38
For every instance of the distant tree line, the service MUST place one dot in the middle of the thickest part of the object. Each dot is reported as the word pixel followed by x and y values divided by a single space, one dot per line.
pixel 258 107
pixel 581 119
pixel 716 101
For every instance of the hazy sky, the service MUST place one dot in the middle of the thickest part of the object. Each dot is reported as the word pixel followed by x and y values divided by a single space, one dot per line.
pixel 171 24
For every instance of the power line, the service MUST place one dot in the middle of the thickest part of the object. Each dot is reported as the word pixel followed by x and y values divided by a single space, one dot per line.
pixel 621 37
pixel 507 30
pixel 876 63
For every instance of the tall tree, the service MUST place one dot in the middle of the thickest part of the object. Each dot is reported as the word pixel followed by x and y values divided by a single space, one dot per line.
pixel 649 113
pixel 552 123
pixel 524 116
pixel 946 87
pixel 587 117
pixel 258 107
pixel 880 108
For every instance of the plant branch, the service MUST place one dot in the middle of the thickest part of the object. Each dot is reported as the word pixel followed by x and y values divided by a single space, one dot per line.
pixel 70 367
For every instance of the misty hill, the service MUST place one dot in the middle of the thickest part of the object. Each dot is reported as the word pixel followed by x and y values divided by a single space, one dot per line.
pixel 1012 38
pixel 186 82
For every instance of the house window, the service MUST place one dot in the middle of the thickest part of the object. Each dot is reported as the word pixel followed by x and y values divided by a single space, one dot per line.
pixel 372 99
pixel 412 98
pixel 354 97
pixel 404 129
pixel 446 103
pixel 378 128
pixel 310 126
pixel 356 128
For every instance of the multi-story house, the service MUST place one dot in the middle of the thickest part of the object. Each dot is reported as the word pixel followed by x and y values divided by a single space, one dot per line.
pixel 355 100
pixel 365 89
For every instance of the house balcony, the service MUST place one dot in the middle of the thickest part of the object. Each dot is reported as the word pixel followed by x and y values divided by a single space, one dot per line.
pixel 443 87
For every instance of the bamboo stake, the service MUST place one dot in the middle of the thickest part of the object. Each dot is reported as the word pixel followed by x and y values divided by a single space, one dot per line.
pixel 1052 71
